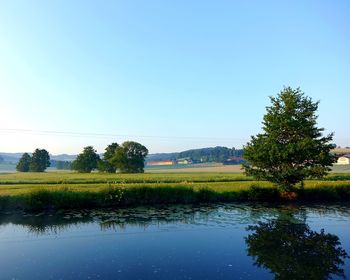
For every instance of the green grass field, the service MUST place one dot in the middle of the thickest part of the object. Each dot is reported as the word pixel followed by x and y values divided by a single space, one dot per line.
pixel 74 190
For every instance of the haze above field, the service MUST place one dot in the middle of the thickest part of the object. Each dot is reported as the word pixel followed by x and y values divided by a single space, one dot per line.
pixel 170 75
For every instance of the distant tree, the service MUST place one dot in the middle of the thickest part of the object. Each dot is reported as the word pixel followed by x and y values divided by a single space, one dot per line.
pixel 105 164
pixel 40 161
pixel 63 165
pixel 292 147
pixel 24 162
pixel 86 161
pixel 130 157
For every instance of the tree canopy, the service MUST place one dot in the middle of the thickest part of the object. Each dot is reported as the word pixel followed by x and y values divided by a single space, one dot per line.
pixel 292 147
pixel 105 164
pixel 23 163
pixel 129 157
pixel 40 161
pixel 86 161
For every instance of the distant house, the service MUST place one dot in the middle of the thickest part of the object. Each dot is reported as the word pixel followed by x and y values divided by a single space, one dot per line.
pixel 184 161
pixel 233 160
pixel 160 162
pixel 345 159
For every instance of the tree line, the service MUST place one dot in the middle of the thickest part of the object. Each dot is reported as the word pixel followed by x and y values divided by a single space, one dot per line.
pixel 129 157
pixel 216 154
pixel 212 154
pixel 38 162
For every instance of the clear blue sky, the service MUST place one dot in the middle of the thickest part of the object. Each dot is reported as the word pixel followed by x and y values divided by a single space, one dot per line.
pixel 198 70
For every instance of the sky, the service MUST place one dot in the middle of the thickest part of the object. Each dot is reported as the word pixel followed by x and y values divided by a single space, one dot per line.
pixel 172 75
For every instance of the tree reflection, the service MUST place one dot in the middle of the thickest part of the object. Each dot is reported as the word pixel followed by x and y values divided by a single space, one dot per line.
pixel 294 251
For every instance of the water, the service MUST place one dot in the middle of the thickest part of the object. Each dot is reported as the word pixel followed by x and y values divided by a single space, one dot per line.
pixel 225 241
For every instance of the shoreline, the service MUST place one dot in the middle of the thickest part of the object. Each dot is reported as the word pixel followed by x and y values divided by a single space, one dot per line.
pixel 123 197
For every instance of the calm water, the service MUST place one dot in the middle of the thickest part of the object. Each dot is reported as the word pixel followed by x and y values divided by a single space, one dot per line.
pixel 226 241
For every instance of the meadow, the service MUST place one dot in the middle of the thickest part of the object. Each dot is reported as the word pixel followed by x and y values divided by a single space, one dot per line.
pixel 55 190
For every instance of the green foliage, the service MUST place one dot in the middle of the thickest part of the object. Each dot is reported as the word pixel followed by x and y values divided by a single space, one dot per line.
pixel 40 161
pixel 53 190
pixel 130 157
pixel 45 199
pixel 24 162
pixel 292 147
pixel 294 251
pixel 110 151
pixel 105 165
pixel 256 193
pixel 86 161
pixel 29 196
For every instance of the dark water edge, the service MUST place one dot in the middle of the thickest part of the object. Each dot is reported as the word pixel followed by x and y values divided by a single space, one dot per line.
pixel 217 241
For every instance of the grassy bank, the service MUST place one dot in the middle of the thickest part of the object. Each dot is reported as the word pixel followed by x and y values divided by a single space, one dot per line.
pixel 58 197
pixel 56 178
pixel 35 191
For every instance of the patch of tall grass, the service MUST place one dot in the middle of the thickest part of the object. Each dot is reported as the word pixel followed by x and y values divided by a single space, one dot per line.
pixel 124 196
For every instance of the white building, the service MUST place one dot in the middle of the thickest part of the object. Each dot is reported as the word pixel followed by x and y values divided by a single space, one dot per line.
pixel 345 159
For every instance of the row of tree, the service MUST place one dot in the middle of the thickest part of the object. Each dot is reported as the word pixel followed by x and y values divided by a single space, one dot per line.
pixel 38 162
pixel 216 154
pixel 212 154
pixel 129 157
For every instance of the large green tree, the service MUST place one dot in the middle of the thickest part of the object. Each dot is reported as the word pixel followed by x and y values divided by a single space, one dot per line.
pixel 105 164
pixel 129 157
pixel 40 161
pixel 23 163
pixel 86 161
pixel 291 147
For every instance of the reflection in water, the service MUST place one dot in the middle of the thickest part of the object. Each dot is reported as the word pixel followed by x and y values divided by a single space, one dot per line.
pixel 177 242
pixel 293 251
pixel 208 215
pixel 109 219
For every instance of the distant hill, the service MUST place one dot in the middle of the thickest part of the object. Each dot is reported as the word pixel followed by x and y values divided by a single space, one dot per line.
pixel 162 156
pixel 14 157
pixel 63 157
pixel 11 157
pixel 212 154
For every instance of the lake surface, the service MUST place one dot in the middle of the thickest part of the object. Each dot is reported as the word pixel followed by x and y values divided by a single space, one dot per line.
pixel 225 241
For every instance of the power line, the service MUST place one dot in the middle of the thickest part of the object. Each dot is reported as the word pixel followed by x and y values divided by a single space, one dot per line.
pixel 70 133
